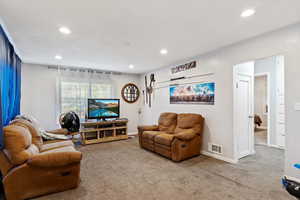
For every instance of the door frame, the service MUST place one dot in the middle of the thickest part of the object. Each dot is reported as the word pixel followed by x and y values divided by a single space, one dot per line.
pixel 281 58
pixel 267 74
pixel 235 131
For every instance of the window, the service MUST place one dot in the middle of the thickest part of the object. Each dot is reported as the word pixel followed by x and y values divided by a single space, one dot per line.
pixel 74 95
pixel 101 90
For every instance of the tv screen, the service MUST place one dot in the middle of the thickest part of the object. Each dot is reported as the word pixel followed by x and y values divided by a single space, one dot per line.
pixel 103 108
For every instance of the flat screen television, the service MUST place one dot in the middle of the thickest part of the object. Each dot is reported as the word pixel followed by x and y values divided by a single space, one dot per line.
pixel 103 108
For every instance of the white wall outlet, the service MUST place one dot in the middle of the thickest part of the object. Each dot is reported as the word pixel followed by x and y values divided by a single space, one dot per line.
pixel 297 106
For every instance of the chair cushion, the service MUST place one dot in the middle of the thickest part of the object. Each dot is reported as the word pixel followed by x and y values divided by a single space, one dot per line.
pixel 62 149
pixel 186 134
pixel 167 122
pixel 187 121
pixel 151 134
pixel 18 144
pixel 56 157
pixel 165 139
pixel 55 145
pixel 33 129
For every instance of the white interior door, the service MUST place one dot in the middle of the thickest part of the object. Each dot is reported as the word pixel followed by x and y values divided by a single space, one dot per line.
pixel 280 107
pixel 243 109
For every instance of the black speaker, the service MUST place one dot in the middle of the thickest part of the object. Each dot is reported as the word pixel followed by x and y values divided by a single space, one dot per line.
pixel 70 121
pixel 292 187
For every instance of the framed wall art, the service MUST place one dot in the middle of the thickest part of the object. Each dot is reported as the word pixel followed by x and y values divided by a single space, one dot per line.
pixel 196 93
pixel 130 93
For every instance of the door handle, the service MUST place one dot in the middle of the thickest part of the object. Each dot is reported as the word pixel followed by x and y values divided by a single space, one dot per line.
pixel 250 116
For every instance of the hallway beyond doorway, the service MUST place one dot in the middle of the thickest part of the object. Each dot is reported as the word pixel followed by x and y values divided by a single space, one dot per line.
pixel 261 136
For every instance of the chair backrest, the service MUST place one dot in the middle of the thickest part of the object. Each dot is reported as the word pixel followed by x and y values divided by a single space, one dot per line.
pixel 18 145
pixel 187 121
pixel 167 122
pixel 33 129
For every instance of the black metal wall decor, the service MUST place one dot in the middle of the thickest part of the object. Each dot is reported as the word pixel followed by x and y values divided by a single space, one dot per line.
pixel 130 93
pixel 149 89
pixel 184 67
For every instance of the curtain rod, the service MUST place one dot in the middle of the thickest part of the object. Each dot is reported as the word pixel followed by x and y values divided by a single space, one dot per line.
pixel 176 84
pixel 186 77
pixel 85 69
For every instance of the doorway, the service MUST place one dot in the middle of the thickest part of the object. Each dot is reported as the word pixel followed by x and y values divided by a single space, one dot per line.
pixel 259 108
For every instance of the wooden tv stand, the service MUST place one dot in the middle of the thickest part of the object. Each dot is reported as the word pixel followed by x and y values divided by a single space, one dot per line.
pixel 103 131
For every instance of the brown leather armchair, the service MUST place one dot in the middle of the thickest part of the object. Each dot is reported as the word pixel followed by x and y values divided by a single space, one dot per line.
pixel 29 172
pixel 177 136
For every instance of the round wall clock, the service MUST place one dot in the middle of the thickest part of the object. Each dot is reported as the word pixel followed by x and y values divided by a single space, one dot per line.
pixel 130 93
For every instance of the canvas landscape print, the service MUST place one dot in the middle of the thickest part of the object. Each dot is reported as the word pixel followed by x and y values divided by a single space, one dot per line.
pixel 103 108
pixel 199 93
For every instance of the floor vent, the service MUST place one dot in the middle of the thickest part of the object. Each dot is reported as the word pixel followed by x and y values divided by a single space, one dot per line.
pixel 215 148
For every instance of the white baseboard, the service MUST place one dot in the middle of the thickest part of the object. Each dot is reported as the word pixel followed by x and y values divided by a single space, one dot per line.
pixel 275 146
pixel 293 178
pixel 132 134
pixel 219 157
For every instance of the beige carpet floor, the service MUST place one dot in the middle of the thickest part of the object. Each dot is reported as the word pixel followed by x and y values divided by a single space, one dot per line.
pixel 122 171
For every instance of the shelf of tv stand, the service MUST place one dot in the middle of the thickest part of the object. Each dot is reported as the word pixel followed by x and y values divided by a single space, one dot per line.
pixel 100 129
pixel 103 131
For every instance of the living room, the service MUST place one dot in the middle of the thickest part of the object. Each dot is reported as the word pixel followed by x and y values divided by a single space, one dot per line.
pixel 174 96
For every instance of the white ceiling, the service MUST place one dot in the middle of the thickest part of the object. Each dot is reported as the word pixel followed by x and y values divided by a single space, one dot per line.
pixel 112 34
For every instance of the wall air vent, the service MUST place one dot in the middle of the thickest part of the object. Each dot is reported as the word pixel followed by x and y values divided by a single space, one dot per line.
pixel 215 148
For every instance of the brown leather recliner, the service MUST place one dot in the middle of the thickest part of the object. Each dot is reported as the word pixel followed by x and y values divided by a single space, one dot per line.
pixel 29 172
pixel 177 136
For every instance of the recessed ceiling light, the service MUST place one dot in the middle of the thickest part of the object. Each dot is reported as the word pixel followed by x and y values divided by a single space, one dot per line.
pixel 58 57
pixel 131 66
pixel 65 30
pixel 248 13
pixel 163 51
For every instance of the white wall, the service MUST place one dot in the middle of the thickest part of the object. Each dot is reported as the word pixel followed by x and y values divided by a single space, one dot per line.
pixel 268 65
pixel 219 118
pixel 39 96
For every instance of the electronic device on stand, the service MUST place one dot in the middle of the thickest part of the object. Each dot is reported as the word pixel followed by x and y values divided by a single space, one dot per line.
pixel 103 109
pixel 103 123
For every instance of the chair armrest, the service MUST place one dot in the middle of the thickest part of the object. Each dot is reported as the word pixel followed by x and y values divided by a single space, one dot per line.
pixel 186 135
pixel 55 159
pixel 61 131
pixel 148 128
